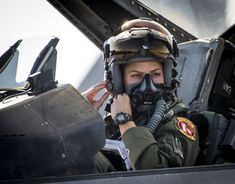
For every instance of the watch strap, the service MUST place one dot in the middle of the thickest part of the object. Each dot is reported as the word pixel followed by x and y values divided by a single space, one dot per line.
pixel 122 118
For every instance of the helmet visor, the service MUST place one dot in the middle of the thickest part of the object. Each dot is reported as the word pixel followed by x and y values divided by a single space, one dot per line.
pixel 158 45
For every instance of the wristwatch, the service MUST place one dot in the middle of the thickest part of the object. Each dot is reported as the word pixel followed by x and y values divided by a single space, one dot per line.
pixel 122 118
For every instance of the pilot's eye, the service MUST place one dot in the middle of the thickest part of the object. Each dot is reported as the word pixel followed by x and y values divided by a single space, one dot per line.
pixel 156 74
pixel 137 76
pixel 157 77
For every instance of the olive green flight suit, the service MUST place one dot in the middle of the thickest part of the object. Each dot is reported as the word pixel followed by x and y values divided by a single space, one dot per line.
pixel 167 147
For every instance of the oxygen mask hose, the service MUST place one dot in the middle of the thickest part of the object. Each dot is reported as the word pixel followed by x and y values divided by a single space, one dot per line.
pixel 158 115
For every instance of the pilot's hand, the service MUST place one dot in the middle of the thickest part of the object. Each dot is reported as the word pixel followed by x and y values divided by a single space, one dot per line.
pixel 91 93
pixel 121 103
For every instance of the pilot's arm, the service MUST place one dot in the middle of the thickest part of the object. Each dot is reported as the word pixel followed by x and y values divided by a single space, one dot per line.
pixel 168 147
pixel 174 144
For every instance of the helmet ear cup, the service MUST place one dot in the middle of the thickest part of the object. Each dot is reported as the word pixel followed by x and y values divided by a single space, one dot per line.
pixel 108 78
pixel 174 73
pixel 113 76
pixel 167 72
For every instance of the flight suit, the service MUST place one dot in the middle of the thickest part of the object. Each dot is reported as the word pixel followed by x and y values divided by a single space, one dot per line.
pixel 174 144
pixel 170 146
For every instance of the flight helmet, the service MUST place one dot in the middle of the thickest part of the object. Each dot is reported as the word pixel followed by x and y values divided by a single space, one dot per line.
pixel 140 40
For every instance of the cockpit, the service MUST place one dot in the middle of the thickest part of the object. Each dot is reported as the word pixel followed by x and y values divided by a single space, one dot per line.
pixel 51 133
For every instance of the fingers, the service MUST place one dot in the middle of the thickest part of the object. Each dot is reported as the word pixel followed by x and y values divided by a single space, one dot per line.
pixel 122 97
pixel 105 96
pixel 96 88
pixel 100 102
pixel 121 103
pixel 92 91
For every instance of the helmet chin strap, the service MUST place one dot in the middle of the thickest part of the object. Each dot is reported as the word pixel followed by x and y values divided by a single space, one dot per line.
pixel 144 95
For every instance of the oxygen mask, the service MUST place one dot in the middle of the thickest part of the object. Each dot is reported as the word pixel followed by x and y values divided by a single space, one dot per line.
pixel 143 95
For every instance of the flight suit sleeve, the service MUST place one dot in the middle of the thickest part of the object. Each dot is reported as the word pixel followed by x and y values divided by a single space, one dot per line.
pixel 102 164
pixel 163 150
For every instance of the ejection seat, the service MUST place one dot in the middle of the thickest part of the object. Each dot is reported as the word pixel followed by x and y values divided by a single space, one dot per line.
pixel 205 70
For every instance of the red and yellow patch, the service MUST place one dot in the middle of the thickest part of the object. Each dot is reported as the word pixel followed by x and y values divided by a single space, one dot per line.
pixel 187 128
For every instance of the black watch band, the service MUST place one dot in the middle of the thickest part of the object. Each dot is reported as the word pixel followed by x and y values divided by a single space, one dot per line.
pixel 122 118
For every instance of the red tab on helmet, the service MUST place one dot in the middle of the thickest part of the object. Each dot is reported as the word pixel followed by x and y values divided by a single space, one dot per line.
pixel 187 128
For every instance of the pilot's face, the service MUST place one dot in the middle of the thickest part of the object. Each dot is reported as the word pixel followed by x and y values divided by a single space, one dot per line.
pixel 135 72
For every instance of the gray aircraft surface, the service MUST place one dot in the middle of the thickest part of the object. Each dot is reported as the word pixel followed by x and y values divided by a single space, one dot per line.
pixel 44 130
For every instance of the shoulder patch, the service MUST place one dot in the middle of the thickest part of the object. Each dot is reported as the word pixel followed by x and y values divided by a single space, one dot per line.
pixel 186 127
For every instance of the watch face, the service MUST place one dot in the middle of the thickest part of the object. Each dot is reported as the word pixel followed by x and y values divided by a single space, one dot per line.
pixel 121 117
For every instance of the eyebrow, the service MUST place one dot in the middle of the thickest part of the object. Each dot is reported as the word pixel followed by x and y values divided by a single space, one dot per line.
pixel 154 70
